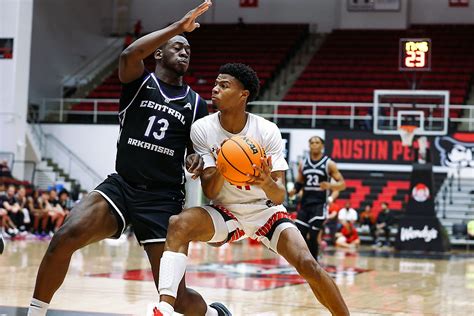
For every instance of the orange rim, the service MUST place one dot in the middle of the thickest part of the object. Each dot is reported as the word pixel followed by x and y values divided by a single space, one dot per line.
pixel 408 128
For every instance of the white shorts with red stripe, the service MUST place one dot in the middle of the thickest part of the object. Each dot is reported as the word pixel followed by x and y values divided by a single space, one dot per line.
pixel 237 221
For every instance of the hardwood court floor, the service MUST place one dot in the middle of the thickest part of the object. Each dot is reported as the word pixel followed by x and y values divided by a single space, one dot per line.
pixel 114 278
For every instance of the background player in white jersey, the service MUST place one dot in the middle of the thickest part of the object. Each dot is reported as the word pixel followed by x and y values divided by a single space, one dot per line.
pixel 255 211
pixel 314 177
pixel 156 113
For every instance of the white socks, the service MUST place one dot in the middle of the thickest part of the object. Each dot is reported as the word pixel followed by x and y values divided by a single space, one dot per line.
pixel 37 308
pixel 166 309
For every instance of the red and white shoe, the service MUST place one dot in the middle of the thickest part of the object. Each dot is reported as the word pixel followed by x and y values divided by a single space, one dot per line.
pixel 156 312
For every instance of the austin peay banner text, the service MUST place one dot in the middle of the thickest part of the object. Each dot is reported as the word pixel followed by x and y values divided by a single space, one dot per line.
pixel 366 147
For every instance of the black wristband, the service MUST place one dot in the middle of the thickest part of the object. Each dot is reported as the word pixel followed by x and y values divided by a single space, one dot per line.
pixel 298 187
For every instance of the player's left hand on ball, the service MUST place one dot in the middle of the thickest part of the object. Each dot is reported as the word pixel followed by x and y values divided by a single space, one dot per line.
pixel 264 173
pixel 194 165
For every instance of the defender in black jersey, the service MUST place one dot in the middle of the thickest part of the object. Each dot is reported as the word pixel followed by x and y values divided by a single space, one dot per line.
pixel 156 113
pixel 314 177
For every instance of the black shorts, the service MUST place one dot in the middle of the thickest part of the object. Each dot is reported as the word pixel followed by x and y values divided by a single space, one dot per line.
pixel 148 211
pixel 312 216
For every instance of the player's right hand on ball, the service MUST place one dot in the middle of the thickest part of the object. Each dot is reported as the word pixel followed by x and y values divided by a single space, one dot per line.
pixel 188 22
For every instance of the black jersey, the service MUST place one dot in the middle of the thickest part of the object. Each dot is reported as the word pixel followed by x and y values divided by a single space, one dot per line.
pixel 315 172
pixel 154 132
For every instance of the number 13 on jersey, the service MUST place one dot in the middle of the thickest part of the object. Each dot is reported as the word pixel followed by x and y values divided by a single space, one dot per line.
pixel 161 125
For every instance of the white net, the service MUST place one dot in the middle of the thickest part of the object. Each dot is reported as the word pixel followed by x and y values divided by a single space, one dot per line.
pixel 407 134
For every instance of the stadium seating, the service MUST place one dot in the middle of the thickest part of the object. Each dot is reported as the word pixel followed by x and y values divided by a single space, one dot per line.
pixel 352 63
pixel 265 47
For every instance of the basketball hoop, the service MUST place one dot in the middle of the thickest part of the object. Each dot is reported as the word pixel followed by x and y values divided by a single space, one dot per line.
pixel 407 133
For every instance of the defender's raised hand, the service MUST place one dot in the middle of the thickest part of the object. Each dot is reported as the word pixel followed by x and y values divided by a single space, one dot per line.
pixel 188 22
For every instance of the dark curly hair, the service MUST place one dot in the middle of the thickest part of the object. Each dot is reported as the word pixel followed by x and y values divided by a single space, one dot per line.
pixel 246 75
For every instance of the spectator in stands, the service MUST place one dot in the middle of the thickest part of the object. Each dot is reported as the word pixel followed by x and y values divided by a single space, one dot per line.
pixel 10 204
pixel 8 226
pixel 347 237
pixel 368 124
pixel 240 23
pixel 65 201
pixel 368 219
pixel 5 221
pixel 347 213
pixel 128 39
pixel 384 222
pixel 137 29
pixel 24 208
pixel 47 207
pixel 38 206
pixel 4 170
pixel 57 213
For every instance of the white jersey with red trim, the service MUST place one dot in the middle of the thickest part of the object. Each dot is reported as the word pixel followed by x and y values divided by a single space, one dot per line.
pixel 207 135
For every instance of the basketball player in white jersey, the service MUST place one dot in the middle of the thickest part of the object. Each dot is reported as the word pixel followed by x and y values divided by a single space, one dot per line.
pixel 253 210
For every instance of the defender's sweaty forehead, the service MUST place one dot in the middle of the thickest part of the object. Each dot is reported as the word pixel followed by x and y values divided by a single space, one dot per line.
pixel 178 39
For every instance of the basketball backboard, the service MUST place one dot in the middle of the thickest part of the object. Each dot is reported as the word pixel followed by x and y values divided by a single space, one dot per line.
pixel 428 110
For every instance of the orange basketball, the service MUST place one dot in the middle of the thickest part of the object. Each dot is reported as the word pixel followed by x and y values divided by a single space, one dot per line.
pixel 236 157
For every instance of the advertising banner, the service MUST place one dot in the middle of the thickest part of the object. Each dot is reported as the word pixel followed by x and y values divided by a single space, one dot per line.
pixel 453 151
pixel 366 147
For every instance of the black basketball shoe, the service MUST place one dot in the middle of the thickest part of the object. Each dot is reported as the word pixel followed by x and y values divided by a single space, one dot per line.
pixel 221 309
pixel 2 243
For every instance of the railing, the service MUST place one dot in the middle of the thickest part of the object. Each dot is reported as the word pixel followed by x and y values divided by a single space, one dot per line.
pixel 87 71
pixel 53 148
pixel 41 175
pixel 38 135
pixel 451 184
pixel 70 162
pixel 57 110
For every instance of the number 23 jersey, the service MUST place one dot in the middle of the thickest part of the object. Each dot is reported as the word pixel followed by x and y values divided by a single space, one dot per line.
pixel 207 135
pixel 315 172
pixel 154 131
